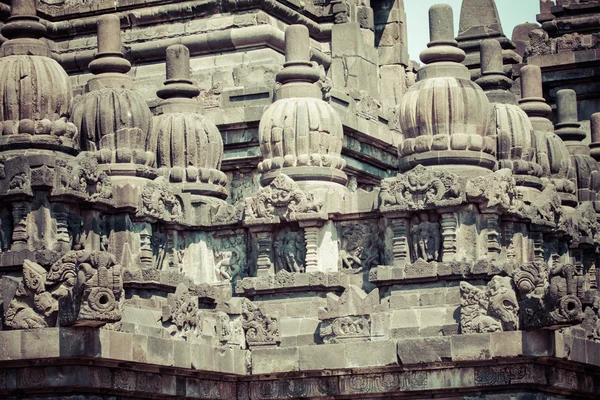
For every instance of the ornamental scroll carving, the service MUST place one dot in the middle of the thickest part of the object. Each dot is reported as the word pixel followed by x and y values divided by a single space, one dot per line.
pixel 82 177
pixel 348 317
pixel 550 296
pixel 82 288
pixel 493 309
pixel 281 199
pixel 182 311
pixel 421 188
pixel 158 200
pixel 260 328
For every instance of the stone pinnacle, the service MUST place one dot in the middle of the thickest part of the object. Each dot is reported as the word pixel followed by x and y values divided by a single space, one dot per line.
pixel 441 24
pixel 109 34
pixel 568 126
pixel 178 62
pixel 297 46
pixel 491 56
pixel 178 83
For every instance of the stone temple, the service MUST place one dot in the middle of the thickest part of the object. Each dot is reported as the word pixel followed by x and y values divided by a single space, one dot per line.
pixel 266 199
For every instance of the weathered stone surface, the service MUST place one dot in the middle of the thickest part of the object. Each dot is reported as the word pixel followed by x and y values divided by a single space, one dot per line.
pixel 298 214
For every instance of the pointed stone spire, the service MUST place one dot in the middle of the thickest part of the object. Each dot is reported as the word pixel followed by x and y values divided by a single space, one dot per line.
pixel 515 139
pixel 35 91
pixel 300 135
pixel 479 20
pixel 449 129
pixel 188 146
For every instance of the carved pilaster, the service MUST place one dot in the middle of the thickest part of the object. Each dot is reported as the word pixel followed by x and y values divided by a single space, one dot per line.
pixel 400 241
pixel 62 230
pixel 509 233
pixel 493 234
pixel 538 246
pixel 311 234
pixel 145 232
pixel 449 226
pixel 19 235
pixel 264 240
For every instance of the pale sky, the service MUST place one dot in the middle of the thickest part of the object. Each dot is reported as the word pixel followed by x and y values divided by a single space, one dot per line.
pixel 512 13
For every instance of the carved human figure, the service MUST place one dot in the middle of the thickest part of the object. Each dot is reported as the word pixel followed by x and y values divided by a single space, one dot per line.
pixel 289 251
pixel 228 266
pixel 426 238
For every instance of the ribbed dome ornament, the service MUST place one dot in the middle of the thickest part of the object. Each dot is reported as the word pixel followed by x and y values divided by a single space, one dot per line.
pixel 444 116
pixel 515 138
pixel 569 130
pixel 35 91
pixel 552 153
pixel 188 146
pixel 112 119
pixel 300 135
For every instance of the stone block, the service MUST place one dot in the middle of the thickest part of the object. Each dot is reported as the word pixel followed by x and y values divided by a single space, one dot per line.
pixel 118 344
pixel 346 40
pixel 537 343
pixel 160 351
pixel 370 354
pixel 80 342
pixel 593 352
pixel 432 297
pixel 406 318
pixel 181 354
pixel 272 360
pixel 578 350
pixel 424 350
pixel 507 344
pixel 401 300
pixel 326 356
pixel 471 347
pixel 139 348
pixel 202 357
pixel 10 345
pixel 40 343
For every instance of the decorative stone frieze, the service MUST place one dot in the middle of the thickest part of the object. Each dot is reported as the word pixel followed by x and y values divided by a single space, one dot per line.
pixel 283 200
pixel 421 188
pixel 82 288
pixel 260 329
pixel 493 309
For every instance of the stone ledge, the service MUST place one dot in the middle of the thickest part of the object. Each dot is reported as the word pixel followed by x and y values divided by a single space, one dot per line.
pixel 516 376
pixel 284 282
pixel 58 343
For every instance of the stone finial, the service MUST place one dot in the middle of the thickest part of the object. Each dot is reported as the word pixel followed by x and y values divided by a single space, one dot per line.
pixel 188 146
pixel 109 57
pixel 24 30
pixel 595 145
pixel 532 100
pixel 297 44
pixel 493 79
pixel 300 135
pixel 442 46
pixel 298 74
pixel 436 129
pixel 568 126
pixel 178 83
